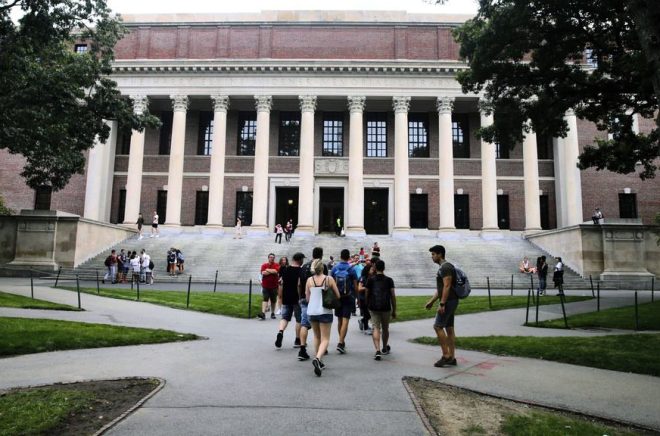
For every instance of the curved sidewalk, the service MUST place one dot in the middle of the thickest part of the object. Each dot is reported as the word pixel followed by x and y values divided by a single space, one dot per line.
pixel 236 382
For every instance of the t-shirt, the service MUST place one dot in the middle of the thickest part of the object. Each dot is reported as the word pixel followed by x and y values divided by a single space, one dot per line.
pixel 305 273
pixel 380 288
pixel 145 261
pixel 290 278
pixel 155 220
pixel 270 281
pixel 135 264
pixel 446 270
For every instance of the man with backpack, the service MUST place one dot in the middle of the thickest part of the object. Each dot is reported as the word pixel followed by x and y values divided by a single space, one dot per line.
pixel 444 319
pixel 381 302
pixel 346 279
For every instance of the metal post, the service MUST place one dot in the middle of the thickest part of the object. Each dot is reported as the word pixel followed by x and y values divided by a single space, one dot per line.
pixel 133 280
pixel 78 289
pixel 490 303
pixel 527 311
pixel 531 281
pixel 138 290
pixel 250 301
pixel 215 282
pixel 31 285
pixel 59 271
pixel 592 286
pixel 538 300
pixel 598 297
pixel 652 288
pixel 512 285
pixel 563 310
pixel 636 313
pixel 188 297
pixel 98 289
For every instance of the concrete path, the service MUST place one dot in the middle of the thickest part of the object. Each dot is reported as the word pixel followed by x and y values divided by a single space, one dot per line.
pixel 236 382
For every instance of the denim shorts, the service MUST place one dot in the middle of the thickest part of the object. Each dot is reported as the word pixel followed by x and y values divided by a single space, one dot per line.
pixel 446 319
pixel 304 319
pixel 291 309
pixel 323 319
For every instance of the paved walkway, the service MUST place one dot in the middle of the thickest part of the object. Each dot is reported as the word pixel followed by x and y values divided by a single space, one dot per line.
pixel 236 382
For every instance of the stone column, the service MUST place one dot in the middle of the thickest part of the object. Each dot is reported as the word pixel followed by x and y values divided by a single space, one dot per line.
pixel 488 179
pixel 446 164
pixel 177 150
pixel 100 166
pixel 401 175
pixel 260 189
pixel 573 184
pixel 306 187
pixel 217 177
pixel 531 182
pixel 135 158
pixel 560 181
pixel 354 216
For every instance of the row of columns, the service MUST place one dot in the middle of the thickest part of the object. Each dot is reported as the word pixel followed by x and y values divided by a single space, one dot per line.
pixel 566 171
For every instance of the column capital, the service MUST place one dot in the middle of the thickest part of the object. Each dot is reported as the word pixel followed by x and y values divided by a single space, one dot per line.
pixel 445 104
pixel 263 103
pixel 356 103
pixel 401 104
pixel 140 103
pixel 179 103
pixel 220 103
pixel 307 103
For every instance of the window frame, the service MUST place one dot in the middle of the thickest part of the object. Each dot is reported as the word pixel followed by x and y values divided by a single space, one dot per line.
pixel 165 133
pixel 244 198
pixel 460 140
pixel 374 144
pixel 205 133
pixel 289 134
pixel 333 134
pixel 243 147
pixel 421 119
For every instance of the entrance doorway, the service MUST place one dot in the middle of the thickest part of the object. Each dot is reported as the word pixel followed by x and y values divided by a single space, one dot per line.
pixel 545 211
pixel 161 206
pixel 503 211
pixel 461 211
pixel 286 206
pixel 375 211
pixel 331 207
pixel 419 211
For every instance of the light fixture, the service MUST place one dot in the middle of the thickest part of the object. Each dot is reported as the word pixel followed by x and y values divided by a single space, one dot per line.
pixel 290 202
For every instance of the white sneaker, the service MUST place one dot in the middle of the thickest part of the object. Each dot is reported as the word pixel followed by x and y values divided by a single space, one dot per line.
pixel 151 236
pixel 140 237
pixel 278 312
pixel 158 236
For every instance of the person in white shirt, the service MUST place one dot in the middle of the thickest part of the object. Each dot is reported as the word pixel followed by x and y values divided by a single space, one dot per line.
pixel 135 267
pixel 154 225
pixel 146 260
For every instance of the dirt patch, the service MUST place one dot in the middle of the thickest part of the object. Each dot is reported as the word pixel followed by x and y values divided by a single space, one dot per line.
pixel 111 399
pixel 455 411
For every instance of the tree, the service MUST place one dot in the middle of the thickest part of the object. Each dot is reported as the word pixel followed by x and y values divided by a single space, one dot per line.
pixel 4 210
pixel 534 60
pixel 53 101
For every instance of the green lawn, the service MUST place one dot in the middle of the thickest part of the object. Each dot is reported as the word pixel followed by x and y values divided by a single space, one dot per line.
pixel 18 301
pixel 617 318
pixel 412 307
pixel 638 353
pixel 27 336
pixel 555 424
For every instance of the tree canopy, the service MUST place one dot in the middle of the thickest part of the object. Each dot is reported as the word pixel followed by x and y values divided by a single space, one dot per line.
pixel 53 101
pixel 534 60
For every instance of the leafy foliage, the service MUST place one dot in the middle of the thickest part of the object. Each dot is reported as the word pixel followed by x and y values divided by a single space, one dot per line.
pixel 4 210
pixel 528 57
pixel 53 101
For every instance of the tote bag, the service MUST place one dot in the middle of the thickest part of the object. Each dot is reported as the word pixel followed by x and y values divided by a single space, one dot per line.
pixel 315 305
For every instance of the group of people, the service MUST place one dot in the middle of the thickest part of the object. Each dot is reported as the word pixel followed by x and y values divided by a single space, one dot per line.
pixel 129 264
pixel 353 279
pixel 541 270
pixel 287 231
pixel 155 232
pixel 175 261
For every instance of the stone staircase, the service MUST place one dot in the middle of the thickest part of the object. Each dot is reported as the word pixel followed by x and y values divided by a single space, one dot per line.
pixel 408 262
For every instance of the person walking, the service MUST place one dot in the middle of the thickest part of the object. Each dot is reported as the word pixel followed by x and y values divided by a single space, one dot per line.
pixel 381 301
pixel 289 230
pixel 290 278
pixel 278 233
pixel 368 271
pixel 542 273
pixel 238 229
pixel 269 283
pixel 305 273
pixel 319 316
pixel 346 279
pixel 444 318
pixel 140 223
pixel 154 225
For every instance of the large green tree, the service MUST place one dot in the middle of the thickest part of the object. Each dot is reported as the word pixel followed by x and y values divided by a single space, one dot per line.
pixel 536 59
pixel 53 101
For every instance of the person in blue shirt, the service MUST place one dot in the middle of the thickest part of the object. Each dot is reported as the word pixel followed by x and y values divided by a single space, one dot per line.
pixel 346 278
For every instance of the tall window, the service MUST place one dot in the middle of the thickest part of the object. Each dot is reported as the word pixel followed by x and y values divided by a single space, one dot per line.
pixel 501 151
pixel 247 133
pixel 124 142
pixel 289 134
pixel 121 210
pixel 205 134
pixel 165 139
pixel 628 205
pixel 377 134
pixel 80 48
pixel 418 135
pixel 544 147
pixel 244 207
pixel 333 134
pixel 460 135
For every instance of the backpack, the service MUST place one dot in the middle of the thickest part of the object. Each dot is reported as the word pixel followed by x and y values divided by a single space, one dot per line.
pixel 151 265
pixel 108 261
pixel 179 256
pixel 380 295
pixel 342 278
pixel 462 284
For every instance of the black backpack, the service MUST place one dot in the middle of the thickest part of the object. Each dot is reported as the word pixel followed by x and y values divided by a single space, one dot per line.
pixel 151 265
pixel 108 261
pixel 380 296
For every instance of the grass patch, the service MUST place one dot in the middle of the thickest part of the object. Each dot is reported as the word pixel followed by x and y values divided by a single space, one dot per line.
pixel 27 336
pixel 21 302
pixel 617 318
pixel 552 424
pixel 409 308
pixel 627 353
pixel 219 303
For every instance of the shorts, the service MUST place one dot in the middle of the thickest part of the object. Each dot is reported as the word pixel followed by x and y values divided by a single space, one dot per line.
pixel 304 319
pixel 323 319
pixel 155 226
pixel 347 307
pixel 269 294
pixel 291 309
pixel 447 319
pixel 379 318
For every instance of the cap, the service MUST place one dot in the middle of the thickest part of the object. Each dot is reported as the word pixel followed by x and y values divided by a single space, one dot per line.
pixel 298 256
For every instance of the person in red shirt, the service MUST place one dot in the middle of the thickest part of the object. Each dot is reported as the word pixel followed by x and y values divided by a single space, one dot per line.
pixel 269 282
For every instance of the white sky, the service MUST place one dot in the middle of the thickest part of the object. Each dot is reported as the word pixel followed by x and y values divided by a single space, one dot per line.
pixel 208 6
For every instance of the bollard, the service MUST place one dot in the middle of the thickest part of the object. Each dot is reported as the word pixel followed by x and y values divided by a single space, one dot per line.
pixel 138 290
pixel 652 288
pixel 563 310
pixel 78 289
pixel 512 285
pixel 31 285
pixel 636 313
pixel 57 279
pixel 490 303
pixel 215 282
pixel 527 311
pixel 188 296
pixel 250 301
pixel 592 286
pixel 598 297
pixel 531 281
pixel 98 289
pixel 538 300
pixel 133 280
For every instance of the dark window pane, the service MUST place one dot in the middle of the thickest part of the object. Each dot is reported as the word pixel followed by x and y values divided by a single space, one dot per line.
pixel 244 207
pixel 205 134
pixel 418 135
pixel 247 133
pixel 81 48
pixel 289 134
pixel 202 208
pixel 122 206
pixel 460 134
pixel 161 206
pixel 333 134
pixel 628 205
pixel 42 198
pixel 165 139
pixel 377 134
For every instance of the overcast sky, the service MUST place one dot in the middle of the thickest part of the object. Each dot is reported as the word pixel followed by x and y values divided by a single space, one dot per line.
pixel 207 6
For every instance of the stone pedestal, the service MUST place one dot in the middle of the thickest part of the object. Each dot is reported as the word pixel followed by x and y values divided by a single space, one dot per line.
pixel 624 256
pixel 36 238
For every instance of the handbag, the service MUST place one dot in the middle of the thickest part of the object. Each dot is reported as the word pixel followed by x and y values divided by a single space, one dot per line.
pixel 330 300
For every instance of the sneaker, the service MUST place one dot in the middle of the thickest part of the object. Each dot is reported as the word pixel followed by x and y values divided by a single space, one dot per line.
pixel 158 236
pixel 261 316
pixel 386 349
pixel 378 355
pixel 278 341
pixel 296 343
pixel 443 362
pixel 322 364
pixel 272 316
pixel 302 354
pixel 317 367
pixel 341 347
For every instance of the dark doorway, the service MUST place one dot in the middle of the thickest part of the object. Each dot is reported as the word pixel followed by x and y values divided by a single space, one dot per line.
pixel 286 206
pixel 121 213
pixel 375 211
pixel 461 211
pixel 244 207
pixel 419 211
pixel 503 211
pixel 42 198
pixel 161 206
pixel 202 208
pixel 331 207
pixel 544 203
